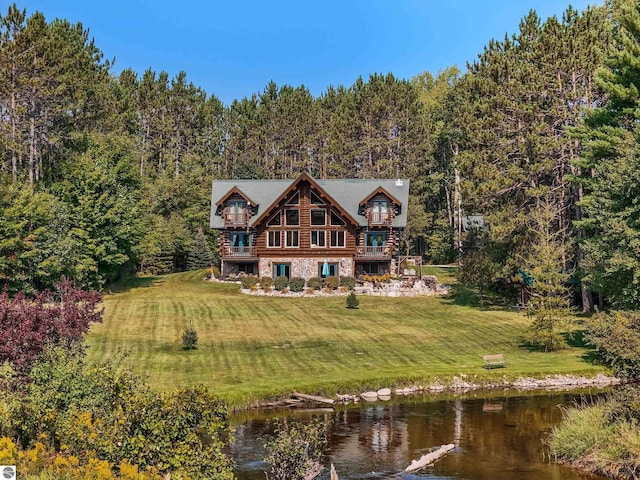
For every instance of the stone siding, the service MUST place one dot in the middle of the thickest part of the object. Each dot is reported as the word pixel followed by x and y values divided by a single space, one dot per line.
pixel 305 267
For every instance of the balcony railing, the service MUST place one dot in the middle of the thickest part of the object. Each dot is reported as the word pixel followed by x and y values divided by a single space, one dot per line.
pixel 235 218
pixel 384 251
pixel 241 252
pixel 379 218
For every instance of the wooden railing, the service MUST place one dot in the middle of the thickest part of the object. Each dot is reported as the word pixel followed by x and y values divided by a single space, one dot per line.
pixel 241 251
pixel 380 218
pixel 384 251
pixel 235 218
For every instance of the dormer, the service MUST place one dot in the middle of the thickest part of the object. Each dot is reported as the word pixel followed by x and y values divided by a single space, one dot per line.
pixel 380 207
pixel 236 208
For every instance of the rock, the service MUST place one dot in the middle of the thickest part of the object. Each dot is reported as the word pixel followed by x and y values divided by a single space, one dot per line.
pixel 370 396
pixel 384 392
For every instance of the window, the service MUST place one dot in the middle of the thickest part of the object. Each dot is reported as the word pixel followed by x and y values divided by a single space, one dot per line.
pixel 281 270
pixel 292 237
pixel 294 200
pixel 315 199
pixel 379 211
pixel 240 240
pixel 274 238
pixel 292 217
pixel 236 211
pixel 327 270
pixel 318 238
pixel 336 220
pixel 318 216
pixel 337 238
pixel 275 221
pixel 375 239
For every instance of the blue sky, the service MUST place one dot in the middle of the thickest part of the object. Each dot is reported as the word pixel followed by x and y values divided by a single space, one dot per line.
pixel 233 49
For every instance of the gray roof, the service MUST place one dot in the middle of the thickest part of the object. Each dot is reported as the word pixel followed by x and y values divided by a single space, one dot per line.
pixel 348 193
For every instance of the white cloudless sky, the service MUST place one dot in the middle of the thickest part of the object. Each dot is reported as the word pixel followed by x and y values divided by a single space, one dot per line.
pixel 232 49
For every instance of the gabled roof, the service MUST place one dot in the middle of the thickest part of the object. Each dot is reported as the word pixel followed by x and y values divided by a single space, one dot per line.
pixel 292 188
pixel 233 190
pixel 382 191
pixel 347 193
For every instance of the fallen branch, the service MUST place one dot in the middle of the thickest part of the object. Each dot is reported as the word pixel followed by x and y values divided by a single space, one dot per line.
pixel 429 458
pixel 313 398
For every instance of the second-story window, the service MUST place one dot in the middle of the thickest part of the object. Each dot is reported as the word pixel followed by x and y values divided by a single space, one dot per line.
pixel 337 238
pixel 318 239
pixel 274 238
pixel 292 237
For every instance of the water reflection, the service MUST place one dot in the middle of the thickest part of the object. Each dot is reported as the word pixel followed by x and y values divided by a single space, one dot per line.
pixel 499 438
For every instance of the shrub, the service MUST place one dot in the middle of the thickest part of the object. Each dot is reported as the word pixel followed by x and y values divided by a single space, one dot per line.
pixel 332 282
pixel 296 451
pixel 349 282
pixel 315 283
pixel 266 283
pixel 280 283
pixel 214 272
pixel 66 404
pixel 352 300
pixel 616 336
pixel 189 338
pixel 296 284
pixel 249 281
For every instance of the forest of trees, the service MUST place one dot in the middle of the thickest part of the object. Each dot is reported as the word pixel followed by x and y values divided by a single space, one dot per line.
pixel 103 176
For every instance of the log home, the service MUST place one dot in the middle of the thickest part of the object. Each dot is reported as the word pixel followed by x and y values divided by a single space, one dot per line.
pixel 309 228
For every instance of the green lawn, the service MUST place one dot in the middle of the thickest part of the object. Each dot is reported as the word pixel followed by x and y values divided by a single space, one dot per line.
pixel 257 347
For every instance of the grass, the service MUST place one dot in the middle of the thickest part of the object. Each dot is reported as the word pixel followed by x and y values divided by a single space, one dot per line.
pixel 260 347
pixel 589 440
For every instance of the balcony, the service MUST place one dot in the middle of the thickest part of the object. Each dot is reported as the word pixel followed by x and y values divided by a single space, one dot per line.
pixel 374 252
pixel 379 218
pixel 232 219
pixel 240 252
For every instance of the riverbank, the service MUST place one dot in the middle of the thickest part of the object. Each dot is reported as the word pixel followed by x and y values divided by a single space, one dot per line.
pixel 256 349
pixel 601 438
pixel 461 384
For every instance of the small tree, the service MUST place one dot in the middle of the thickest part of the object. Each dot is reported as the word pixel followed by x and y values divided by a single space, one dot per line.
pixel 190 338
pixel 352 300
pixel 549 306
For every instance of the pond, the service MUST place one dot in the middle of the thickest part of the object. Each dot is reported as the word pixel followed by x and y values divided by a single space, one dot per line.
pixel 497 438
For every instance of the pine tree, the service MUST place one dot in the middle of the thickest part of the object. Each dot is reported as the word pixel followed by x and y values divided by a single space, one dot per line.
pixel 200 255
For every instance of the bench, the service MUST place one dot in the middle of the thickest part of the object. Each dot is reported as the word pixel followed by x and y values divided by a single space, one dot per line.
pixel 494 361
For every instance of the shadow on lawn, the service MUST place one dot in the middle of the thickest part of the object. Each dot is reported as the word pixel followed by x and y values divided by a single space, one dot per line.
pixel 465 296
pixel 131 283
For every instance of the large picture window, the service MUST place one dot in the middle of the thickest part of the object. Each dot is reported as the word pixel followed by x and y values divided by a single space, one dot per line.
pixel 274 238
pixel 318 216
pixel 337 238
pixel 292 216
pixel 292 237
pixel 318 239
